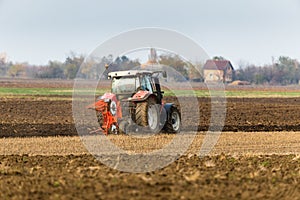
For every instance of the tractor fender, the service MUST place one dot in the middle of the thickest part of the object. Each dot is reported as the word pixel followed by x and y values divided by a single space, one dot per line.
pixel 141 96
pixel 167 108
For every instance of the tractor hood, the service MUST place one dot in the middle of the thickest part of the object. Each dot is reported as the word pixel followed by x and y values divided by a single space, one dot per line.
pixel 140 96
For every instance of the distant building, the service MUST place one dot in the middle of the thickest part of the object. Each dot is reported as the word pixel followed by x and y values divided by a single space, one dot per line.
pixel 3 57
pixel 152 59
pixel 218 70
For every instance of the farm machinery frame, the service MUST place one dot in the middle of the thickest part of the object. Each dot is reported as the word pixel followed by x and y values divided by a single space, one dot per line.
pixel 136 103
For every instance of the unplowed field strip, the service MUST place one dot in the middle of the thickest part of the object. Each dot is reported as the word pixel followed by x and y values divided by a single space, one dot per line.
pixel 231 143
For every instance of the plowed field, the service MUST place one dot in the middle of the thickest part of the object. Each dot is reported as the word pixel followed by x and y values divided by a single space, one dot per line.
pixel 256 157
pixel 26 117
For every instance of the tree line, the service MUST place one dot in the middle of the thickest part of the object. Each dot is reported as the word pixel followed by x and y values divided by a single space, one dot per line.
pixel 283 71
pixel 69 69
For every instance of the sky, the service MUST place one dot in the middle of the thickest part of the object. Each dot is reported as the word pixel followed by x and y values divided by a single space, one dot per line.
pixel 248 31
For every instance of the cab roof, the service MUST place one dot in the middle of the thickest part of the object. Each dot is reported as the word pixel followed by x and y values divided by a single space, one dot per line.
pixel 129 73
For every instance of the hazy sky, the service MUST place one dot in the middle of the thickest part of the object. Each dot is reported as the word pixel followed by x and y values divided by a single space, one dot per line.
pixel 249 30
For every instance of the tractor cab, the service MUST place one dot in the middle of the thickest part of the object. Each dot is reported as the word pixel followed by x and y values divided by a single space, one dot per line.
pixel 125 84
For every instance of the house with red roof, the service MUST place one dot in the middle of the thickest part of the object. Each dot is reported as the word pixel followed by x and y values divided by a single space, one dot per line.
pixel 218 71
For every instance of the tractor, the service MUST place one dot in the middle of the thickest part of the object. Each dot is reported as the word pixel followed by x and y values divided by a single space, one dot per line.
pixel 135 103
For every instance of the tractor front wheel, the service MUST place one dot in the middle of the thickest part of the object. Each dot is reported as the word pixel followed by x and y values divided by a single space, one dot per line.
pixel 173 124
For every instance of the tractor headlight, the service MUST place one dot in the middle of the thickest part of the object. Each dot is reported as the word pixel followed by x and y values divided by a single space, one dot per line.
pixel 113 108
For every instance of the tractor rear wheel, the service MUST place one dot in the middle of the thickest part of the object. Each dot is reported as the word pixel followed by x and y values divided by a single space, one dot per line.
pixel 173 124
pixel 147 115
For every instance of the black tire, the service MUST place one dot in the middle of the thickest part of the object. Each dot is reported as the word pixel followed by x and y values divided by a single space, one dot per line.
pixel 173 123
pixel 141 114
pixel 147 115
pixel 100 118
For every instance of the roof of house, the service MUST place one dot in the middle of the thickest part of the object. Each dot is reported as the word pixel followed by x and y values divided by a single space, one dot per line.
pixel 217 64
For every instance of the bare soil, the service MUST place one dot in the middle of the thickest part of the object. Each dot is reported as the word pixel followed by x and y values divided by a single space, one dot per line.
pixel 242 165
pixel 57 83
pixel 217 177
pixel 245 163
pixel 30 117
